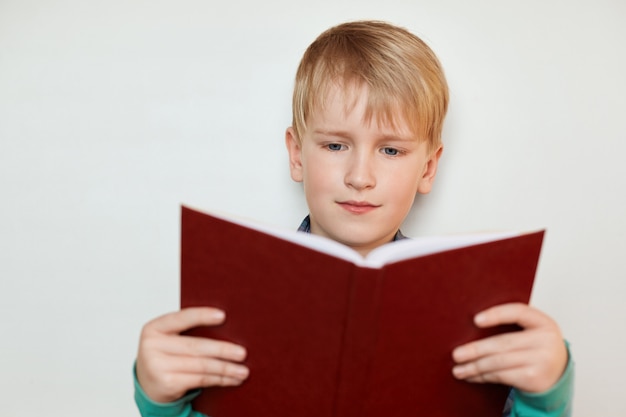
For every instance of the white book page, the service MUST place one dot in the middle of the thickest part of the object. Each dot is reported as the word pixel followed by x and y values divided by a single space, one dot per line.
pixel 386 254
pixel 422 246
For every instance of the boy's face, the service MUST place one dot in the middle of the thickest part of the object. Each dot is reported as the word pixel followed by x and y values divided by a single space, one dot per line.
pixel 360 178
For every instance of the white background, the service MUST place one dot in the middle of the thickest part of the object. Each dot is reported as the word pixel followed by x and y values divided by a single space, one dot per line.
pixel 112 113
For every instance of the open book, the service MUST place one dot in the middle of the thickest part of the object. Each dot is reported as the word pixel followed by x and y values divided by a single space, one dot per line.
pixel 330 333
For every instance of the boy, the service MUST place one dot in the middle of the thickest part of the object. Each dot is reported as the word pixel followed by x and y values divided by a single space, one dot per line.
pixel 368 109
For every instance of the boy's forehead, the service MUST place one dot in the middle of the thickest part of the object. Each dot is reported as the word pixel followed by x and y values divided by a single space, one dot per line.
pixel 338 103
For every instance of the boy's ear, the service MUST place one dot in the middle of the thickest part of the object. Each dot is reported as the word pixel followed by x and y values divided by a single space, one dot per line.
pixel 430 170
pixel 295 154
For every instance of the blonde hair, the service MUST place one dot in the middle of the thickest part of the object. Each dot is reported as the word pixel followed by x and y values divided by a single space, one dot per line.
pixel 403 76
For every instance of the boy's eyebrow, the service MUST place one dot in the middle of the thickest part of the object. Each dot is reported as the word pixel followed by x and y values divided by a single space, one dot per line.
pixel 347 135
pixel 339 133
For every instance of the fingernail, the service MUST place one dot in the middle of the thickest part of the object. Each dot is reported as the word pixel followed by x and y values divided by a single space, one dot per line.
pixel 480 318
pixel 459 353
pixel 241 372
pixel 458 371
pixel 219 314
pixel 239 352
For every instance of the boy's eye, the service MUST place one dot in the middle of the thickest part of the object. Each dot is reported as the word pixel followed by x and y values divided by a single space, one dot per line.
pixel 335 146
pixel 390 151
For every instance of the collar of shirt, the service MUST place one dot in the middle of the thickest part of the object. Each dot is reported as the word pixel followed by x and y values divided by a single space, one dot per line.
pixel 305 227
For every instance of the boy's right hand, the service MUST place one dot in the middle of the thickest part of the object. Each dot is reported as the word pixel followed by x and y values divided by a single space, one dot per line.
pixel 170 364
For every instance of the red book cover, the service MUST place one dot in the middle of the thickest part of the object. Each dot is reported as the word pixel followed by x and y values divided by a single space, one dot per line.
pixel 329 333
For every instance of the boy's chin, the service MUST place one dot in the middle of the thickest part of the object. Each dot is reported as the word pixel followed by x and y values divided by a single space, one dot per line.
pixel 365 243
pixel 361 236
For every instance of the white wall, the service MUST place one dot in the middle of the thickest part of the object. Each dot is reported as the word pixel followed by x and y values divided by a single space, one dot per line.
pixel 113 113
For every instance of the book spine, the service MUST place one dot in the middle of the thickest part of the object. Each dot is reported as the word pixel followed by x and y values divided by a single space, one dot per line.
pixel 359 341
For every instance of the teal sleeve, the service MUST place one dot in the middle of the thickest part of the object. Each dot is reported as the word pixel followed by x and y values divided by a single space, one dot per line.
pixel 556 402
pixel 179 408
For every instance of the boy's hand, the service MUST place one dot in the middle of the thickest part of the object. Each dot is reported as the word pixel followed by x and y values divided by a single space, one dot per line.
pixel 169 364
pixel 530 360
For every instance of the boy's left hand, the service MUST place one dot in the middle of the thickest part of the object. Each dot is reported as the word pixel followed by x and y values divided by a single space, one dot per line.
pixel 531 360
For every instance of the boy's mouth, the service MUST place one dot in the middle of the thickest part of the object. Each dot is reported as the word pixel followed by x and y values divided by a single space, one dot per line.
pixel 357 207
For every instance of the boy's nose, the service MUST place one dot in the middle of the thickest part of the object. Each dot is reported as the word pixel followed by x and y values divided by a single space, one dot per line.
pixel 360 173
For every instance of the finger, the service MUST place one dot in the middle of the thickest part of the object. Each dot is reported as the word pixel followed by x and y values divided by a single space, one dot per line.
pixel 200 347
pixel 512 313
pixel 210 366
pixel 185 319
pixel 204 381
pixel 525 378
pixel 507 377
pixel 492 364
pixel 505 342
